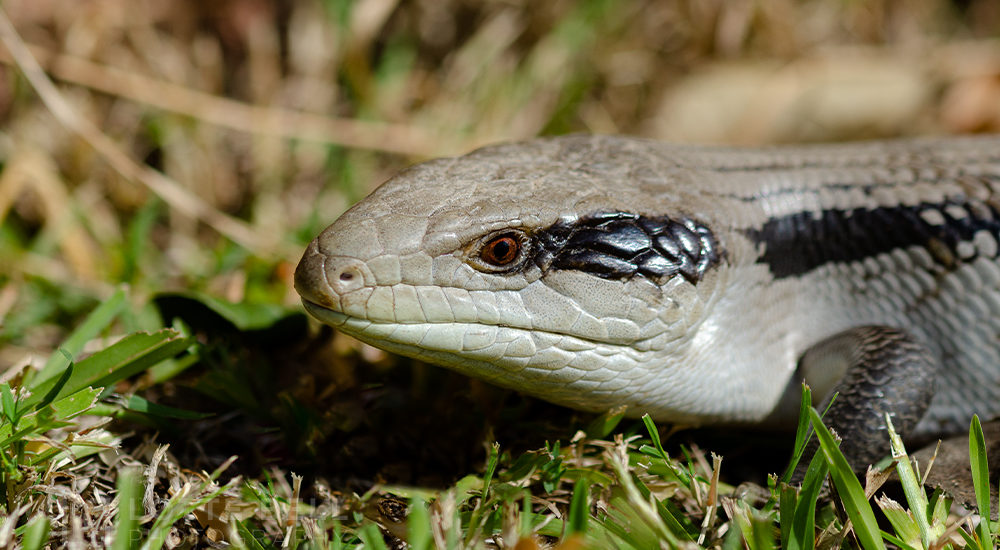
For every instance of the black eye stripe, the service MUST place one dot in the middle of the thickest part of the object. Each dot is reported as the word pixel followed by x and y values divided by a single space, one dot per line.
pixel 621 245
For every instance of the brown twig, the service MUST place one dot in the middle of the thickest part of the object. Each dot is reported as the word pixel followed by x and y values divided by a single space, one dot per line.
pixel 236 115
pixel 170 191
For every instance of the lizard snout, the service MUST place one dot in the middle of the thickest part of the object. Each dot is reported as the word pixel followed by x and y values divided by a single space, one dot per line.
pixel 324 280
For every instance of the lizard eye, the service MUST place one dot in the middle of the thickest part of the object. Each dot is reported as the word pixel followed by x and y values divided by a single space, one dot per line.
pixel 501 251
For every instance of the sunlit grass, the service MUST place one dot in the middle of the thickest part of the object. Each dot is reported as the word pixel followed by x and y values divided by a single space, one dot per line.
pixel 605 488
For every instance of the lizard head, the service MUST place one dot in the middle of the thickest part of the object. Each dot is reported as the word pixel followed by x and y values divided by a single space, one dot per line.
pixel 556 267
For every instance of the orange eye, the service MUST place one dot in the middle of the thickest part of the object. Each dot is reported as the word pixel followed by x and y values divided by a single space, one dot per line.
pixel 501 251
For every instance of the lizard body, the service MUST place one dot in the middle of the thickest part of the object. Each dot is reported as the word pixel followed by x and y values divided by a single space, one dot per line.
pixel 700 285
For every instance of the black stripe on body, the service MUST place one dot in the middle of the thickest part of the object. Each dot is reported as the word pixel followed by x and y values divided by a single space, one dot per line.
pixel 801 242
pixel 621 245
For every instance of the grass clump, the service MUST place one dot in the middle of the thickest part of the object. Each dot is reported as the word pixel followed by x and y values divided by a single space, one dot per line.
pixel 611 485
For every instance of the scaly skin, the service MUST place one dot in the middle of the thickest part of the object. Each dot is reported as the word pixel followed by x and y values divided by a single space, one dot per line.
pixel 402 271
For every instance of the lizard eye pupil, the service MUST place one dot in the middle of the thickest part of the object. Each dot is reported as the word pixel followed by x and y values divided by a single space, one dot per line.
pixel 501 251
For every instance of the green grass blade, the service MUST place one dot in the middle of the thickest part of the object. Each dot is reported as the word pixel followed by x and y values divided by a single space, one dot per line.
pixel 733 540
pixel 755 530
pixel 57 384
pixel 654 436
pixel 676 520
pixel 371 537
pixel 849 488
pixel 9 405
pixel 907 532
pixel 75 404
pixel 129 356
pixel 600 427
pixel 166 370
pixel 127 532
pixel 625 520
pixel 491 467
pixel 970 541
pixel 915 495
pixel 803 529
pixel 182 504
pixel 250 539
pixel 137 238
pixel 475 520
pixel 525 525
pixel 636 508
pixel 980 480
pixel 761 534
pixel 245 316
pixel 787 503
pixel 801 433
pixel 36 533
pixel 893 539
pixel 50 416
pixel 137 404
pixel 579 507
pixel 418 525
pixel 336 538
pixel 98 320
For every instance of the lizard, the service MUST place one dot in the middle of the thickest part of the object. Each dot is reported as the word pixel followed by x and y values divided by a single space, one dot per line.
pixel 700 285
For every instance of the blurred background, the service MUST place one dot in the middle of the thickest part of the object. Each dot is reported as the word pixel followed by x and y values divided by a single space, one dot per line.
pixel 199 145
pixel 270 117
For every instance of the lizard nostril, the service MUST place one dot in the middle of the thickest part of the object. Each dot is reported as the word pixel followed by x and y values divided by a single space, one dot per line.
pixel 345 275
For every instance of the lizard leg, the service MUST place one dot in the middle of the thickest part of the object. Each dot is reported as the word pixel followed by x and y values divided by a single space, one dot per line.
pixel 885 370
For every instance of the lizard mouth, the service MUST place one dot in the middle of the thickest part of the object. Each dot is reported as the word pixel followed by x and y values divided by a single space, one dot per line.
pixel 328 315
pixel 377 332
pixel 547 364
